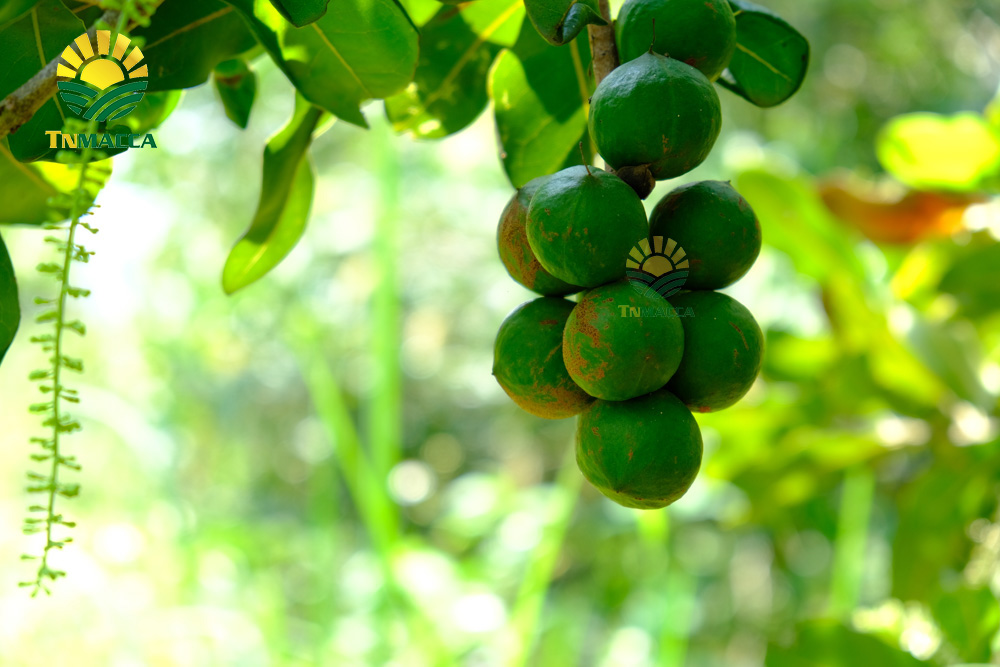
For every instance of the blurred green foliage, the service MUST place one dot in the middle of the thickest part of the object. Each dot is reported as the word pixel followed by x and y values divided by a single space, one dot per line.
pixel 320 469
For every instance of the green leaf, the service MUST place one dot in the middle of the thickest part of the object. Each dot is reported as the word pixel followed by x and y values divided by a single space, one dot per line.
pixel 301 12
pixel 971 280
pixel 797 223
pixel 827 644
pixel 88 11
pixel 10 308
pixel 186 39
pixel 420 11
pixel 25 188
pixel 366 49
pixel 992 112
pixel 560 21
pixel 969 618
pixel 457 47
pixel 12 10
pixel 28 44
pixel 154 108
pixel 540 101
pixel 925 150
pixel 953 352
pixel 285 199
pixel 771 57
pixel 236 84
pixel 263 247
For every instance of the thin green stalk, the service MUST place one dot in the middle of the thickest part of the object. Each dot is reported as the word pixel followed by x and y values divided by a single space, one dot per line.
pixel 56 421
pixel 542 561
pixel 670 577
pixel 366 488
pixel 377 511
pixel 77 204
pixel 852 538
pixel 680 588
pixel 73 206
pixel 385 410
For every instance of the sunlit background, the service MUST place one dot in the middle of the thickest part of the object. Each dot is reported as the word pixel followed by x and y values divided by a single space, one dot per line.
pixel 235 508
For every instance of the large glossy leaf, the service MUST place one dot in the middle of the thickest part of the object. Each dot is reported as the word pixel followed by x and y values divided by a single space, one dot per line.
pixel 236 84
pixel 826 644
pixel 771 57
pixel 457 47
pixel 25 188
pixel 188 38
pixel 969 619
pixel 152 111
pixel 301 12
pixel 540 99
pixel 360 50
pixel 420 11
pixel 285 199
pixel 560 21
pixel 925 150
pixel 28 44
pixel 24 191
pixel 11 10
pixel 87 10
pixel 10 309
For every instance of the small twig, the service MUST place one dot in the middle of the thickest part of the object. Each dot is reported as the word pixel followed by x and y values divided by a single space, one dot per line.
pixel 17 108
pixel 602 44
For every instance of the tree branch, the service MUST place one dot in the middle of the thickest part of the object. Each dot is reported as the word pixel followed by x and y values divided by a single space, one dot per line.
pixel 603 51
pixel 17 108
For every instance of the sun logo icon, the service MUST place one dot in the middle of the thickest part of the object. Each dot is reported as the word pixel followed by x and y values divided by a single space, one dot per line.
pixel 657 268
pixel 105 85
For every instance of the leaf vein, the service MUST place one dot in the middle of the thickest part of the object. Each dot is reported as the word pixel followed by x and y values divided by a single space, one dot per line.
pixel 41 54
pixel 347 66
pixel 467 55
pixel 30 173
pixel 762 61
pixel 190 26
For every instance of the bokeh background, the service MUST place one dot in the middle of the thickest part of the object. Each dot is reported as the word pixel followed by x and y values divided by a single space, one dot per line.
pixel 321 469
